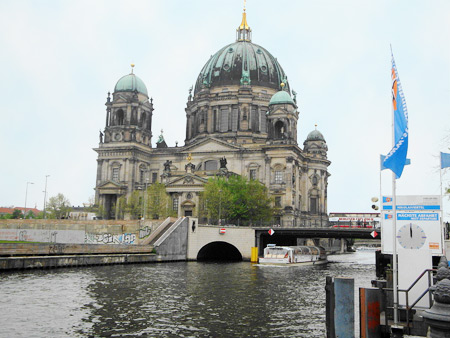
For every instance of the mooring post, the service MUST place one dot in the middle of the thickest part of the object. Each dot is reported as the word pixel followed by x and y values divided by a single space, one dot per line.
pixel 329 291
pixel 340 311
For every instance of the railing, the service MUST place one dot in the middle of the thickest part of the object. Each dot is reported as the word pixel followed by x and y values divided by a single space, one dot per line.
pixel 408 308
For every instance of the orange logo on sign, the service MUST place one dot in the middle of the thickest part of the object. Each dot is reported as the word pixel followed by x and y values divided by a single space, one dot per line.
pixel 433 245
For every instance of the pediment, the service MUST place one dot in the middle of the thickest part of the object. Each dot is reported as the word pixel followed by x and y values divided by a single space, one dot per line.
pixel 211 144
pixel 110 185
pixel 188 179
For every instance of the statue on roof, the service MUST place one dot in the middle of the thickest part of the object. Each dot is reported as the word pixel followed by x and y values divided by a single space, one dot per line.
pixel 167 166
pixel 223 163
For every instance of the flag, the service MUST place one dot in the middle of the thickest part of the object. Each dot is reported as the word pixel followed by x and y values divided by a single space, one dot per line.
pixel 382 157
pixel 396 158
pixel 445 160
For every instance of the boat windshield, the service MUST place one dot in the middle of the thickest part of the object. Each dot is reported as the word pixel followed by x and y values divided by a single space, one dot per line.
pixel 275 252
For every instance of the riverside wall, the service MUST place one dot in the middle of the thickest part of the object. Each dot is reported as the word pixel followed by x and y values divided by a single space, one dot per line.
pixel 27 244
pixel 77 232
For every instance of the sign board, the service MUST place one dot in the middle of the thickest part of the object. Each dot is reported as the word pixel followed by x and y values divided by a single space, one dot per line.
pixel 354 219
pixel 222 231
pixel 418 225
pixel 413 203
pixel 271 232
pixel 408 272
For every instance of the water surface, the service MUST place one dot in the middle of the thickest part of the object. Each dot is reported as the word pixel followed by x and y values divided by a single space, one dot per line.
pixel 184 299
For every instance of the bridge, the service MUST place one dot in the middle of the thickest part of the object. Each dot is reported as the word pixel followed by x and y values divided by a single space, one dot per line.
pixel 235 243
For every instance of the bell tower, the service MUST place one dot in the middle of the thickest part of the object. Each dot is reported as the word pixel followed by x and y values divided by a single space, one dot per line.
pixel 282 118
pixel 129 112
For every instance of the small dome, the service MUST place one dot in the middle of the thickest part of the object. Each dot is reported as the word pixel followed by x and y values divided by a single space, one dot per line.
pixel 315 135
pixel 281 97
pixel 131 83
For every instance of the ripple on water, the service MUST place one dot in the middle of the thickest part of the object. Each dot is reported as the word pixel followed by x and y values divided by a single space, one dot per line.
pixel 174 299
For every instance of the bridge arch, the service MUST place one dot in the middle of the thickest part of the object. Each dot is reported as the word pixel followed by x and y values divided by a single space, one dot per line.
pixel 219 251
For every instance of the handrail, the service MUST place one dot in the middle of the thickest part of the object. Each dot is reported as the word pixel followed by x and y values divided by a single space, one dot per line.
pixel 406 291
pixel 418 278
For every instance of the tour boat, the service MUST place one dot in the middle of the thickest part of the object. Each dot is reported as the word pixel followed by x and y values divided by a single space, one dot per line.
pixel 293 255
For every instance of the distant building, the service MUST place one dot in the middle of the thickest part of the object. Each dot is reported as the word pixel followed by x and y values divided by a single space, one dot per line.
pixel 10 210
pixel 355 219
pixel 81 214
pixel 241 118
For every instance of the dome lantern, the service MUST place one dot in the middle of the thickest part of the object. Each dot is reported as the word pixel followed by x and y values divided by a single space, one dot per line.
pixel 244 32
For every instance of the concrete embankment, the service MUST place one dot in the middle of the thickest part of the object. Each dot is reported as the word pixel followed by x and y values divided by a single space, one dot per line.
pixel 80 244
pixel 42 255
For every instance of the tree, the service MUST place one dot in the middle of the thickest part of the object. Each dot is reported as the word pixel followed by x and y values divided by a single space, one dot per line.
pixel 237 200
pixel 134 205
pixel 17 214
pixel 58 206
pixel 158 202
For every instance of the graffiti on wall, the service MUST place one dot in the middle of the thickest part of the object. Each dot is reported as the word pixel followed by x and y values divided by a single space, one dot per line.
pixel 144 232
pixel 127 238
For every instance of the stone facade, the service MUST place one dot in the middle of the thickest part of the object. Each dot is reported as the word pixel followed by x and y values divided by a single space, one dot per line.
pixel 241 120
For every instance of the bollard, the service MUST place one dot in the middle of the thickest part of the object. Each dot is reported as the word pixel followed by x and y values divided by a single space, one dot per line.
pixel 254 254
pixel 369 312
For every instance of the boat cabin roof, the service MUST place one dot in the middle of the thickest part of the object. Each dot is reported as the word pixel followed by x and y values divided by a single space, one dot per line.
pixel 301 249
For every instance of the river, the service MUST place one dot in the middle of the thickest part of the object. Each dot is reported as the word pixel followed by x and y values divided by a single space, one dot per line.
pixel 183 299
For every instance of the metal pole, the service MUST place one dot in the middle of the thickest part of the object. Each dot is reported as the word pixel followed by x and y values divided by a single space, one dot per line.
pixel 145 197
pixel 26 195
pixel 394 249
pixel 220 206
pixel 45 196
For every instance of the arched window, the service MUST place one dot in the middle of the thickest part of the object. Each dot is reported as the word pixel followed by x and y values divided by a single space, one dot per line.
pixel 279 129
pixel 115 174
pixel 314 201
pixel 120 117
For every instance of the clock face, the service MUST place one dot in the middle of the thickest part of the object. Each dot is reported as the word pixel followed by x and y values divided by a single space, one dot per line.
pixel 411 236
pixel 117 136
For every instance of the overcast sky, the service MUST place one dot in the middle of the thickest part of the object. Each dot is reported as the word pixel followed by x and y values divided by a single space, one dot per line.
pixel 59 59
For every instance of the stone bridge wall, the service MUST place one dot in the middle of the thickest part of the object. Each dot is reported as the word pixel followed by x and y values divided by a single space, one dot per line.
pixel 243 238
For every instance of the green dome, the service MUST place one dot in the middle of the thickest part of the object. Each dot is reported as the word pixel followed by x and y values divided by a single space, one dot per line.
pixel 130 83
pixel 315 135
pixel 281 97
pixel 242 62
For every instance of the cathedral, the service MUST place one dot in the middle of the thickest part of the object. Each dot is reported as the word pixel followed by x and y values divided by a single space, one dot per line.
pixel 241 118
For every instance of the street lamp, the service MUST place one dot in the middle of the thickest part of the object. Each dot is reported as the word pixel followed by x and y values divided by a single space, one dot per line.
pixel 142 207
pixel 145 195
pixel 26 195
pixel 220 206
pixel 45 196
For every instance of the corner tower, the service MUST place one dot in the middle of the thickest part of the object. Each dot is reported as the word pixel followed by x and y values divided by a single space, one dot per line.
pixel 125 144
pixel 129 113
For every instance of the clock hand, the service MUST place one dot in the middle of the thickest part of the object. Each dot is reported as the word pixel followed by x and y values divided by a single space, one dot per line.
pixel 410 229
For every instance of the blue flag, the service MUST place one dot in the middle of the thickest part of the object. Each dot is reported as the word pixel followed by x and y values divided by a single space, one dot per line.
pixel 382 157
pixel 445 160
pixel 396 158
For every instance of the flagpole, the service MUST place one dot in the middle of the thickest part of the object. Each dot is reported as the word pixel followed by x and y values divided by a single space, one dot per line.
pixel 394 230
pixel 394 249
pixel 442 209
